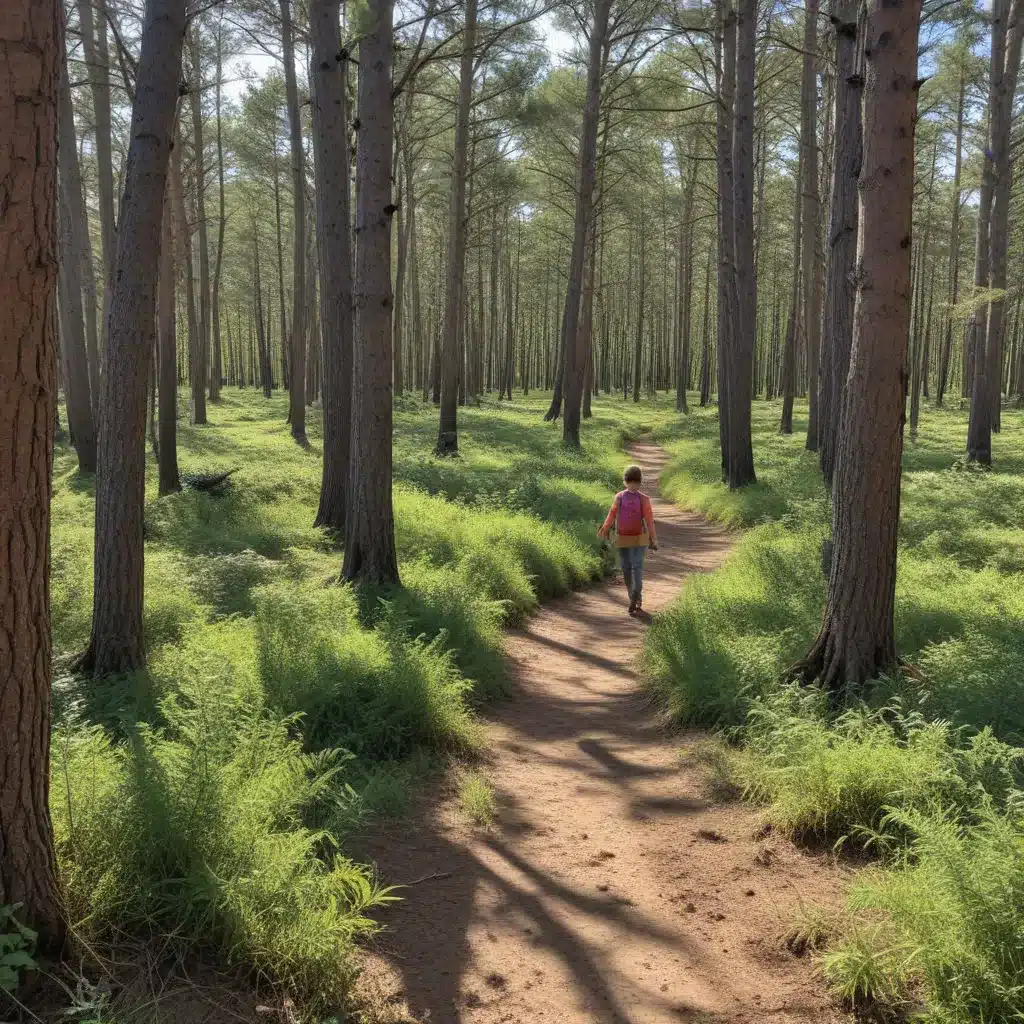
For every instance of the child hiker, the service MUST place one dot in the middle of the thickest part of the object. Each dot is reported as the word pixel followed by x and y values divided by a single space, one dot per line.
pixel 633 519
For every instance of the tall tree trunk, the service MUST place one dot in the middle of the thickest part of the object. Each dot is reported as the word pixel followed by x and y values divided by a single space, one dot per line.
pixel 985 403
pixel 809 220
pixel 331 165
pixel 856 641
pixel 202 233
pixel 167 357
pixel 216 361
pixel 448 428
pixel 92 15
pixel 840 291
pixel 117 641
pixel 197 387
pixel 70 220
pixel 31 50
pixel 727 295
pixel 946 348
pixel 920 325
pixel 574 343
pixel 297 347
pixel 370 554
pixel 788 381
pixel 739 458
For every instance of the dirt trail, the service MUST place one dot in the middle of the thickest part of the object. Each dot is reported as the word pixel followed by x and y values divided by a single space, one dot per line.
pixel 611 888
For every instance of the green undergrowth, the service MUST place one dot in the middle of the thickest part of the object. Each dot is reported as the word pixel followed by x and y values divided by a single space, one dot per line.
pixel 926 771
pixel 211 796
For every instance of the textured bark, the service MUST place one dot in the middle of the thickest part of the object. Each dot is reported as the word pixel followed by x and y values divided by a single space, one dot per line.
pixel 448 427
pixel 685 284
pixel 117 640
pixel 840 292
pixel 370 554
pixel 331 165
pixel 810 217
pixel 297 348
pixel 576 342
pixel 31 47
pixel 920 323
pixel 856 641
pixel 739 455
pixel 71 211
pixel 167 357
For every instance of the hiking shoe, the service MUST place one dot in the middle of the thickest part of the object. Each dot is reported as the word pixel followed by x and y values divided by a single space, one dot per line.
pixel 632 607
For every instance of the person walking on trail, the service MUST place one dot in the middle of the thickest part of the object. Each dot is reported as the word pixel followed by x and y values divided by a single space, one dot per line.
pixel 633 518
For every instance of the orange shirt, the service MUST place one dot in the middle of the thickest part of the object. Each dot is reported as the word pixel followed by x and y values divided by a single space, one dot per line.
pixel 645 510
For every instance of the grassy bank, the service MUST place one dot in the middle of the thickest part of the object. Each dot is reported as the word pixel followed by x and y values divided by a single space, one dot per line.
pixel 210 796
pixel 925 771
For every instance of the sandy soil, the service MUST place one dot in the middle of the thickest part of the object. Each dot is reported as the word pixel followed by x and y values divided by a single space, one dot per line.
pixel 612 887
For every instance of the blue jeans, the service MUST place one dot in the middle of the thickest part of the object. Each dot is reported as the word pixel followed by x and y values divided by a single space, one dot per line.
pixel 632 562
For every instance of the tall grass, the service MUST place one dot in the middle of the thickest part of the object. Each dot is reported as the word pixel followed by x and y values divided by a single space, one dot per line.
pixel 925 771
pixel 210 796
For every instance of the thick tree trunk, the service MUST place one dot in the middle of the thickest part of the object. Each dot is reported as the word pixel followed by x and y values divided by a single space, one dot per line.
pixel 117 641
pixel 167 352
pixel 71 214
pixel 370 554
pixel 331 165
pixel 856 641
pixel 31 50
pixel 448 428
pixel 810 218
pixel 739 457
pixel 575 342
pixel 840 292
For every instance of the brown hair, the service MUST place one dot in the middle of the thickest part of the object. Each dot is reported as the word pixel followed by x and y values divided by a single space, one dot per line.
pixel 633 474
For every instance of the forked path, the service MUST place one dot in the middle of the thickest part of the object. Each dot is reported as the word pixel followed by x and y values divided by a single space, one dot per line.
pixel 611 888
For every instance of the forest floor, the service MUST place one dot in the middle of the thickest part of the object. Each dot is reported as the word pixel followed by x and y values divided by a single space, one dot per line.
pixel 614 884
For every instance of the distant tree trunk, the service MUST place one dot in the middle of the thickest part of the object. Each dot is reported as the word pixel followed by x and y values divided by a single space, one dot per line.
pixel 92 15
pixel 946 348
pixel 641 306
pixel 402 231
pixel 727 295
pixel 739 457
pixel 70 220
pixel 167 349
pixel 202 233
pixel 31 50
pixel 809 221
pixel 370 554
pixel 685 285
pixel 856 641
pixel 297 348
pixel 117 642
pixel 197 387
pixel 917 351
pixel 331 165
pixel 448 428
pixel 788 382
pixel 986 397
pixel 840 291
pixel 576 343
pixel 216 361
pixel 705 358
pixel 266 371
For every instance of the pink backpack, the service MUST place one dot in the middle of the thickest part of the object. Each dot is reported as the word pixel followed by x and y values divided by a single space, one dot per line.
pixel 630 520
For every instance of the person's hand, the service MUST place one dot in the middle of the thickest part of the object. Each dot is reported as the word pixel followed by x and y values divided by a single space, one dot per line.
pixel 654 545
pixel 602 532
